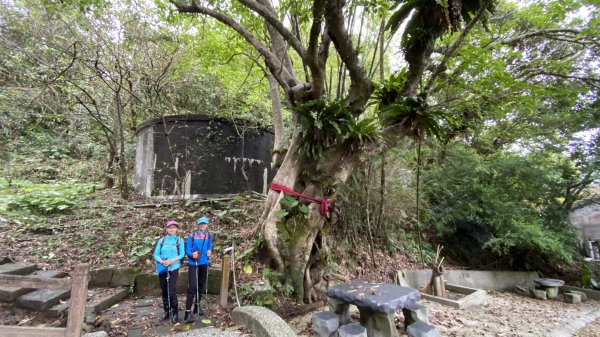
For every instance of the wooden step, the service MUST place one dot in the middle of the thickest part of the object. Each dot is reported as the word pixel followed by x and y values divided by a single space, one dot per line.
pixel 9 294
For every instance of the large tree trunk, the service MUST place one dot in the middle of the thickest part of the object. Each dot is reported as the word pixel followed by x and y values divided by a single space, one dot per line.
pixel 297 244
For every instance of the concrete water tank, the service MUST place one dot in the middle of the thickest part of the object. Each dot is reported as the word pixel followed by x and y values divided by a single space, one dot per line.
pixel 189 156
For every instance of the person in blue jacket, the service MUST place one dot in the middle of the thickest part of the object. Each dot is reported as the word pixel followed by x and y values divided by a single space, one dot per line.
pixel 169 254
pixel 198 248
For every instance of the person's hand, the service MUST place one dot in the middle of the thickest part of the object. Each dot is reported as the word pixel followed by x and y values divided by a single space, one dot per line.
pixel 195 255
pixel 209 253
pixel 166 263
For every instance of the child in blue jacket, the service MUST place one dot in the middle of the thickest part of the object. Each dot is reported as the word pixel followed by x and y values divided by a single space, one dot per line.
pixel 198 248
pixel 168 254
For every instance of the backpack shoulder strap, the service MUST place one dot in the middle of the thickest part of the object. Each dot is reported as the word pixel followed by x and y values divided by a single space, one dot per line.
pixel 162 243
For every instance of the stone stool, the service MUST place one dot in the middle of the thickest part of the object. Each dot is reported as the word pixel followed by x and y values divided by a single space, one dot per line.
pixel 420 329
pixel 572 298
pixel 352 330
pixel 325 324
pixel 415 312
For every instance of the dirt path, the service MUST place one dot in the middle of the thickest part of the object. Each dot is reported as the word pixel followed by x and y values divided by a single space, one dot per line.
pixel 503 315
pixel 511 315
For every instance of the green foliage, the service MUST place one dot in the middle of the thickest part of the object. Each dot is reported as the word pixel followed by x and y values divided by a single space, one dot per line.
pixel 325 125
pixel 43 198
pixel 143 249
pixel 290 207
pixel 516 197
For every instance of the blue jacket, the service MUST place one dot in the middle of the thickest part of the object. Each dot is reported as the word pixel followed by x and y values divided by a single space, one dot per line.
pixel 202 242
pixel 168 251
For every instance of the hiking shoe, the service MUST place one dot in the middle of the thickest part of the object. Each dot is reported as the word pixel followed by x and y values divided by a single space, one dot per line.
pixel 188 317
pixel 164 317
pixel 198 310
pixel 174 317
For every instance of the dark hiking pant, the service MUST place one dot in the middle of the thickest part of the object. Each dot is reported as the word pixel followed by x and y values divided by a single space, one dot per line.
pixel 169 289
pixel 196 283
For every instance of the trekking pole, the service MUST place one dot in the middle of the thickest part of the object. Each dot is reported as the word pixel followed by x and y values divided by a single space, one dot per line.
pixel 197 294
pixel 206 286
pixel 169 288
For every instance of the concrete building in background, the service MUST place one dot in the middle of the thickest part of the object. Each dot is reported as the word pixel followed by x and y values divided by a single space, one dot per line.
pixel 585 216
pixel 192 156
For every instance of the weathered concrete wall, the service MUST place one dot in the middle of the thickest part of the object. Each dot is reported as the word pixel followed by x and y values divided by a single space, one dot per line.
pixel 190 156
pixel 478 279
pixel 586 216
pixel 145 162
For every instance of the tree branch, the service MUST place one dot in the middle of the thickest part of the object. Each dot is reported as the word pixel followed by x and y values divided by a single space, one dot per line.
pixel 361 86
pixel 280 73
pixel 440 67
pixel 268 15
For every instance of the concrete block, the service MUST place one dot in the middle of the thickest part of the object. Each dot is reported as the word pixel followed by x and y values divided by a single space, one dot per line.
pixel 123 277
pixel 420 329
pixel 262 321
pixel 324 323
pixel 341 309
pixel 42 299
pixel 572 298
pixel 581 294
pixel 57 310
pixel 105 302
pixel 96 334
pixel 352 330
pixel 101 278
pixel 478 279
pixel 9 294
pixel 415 313
pixel 148 285
pixel 17 268
pixel 589 293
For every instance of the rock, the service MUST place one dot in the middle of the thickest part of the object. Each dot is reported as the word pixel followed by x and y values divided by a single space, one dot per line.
pixel 352 330
pixel 415 313
pixel 572 298
pixel 324 323
pixel 420 329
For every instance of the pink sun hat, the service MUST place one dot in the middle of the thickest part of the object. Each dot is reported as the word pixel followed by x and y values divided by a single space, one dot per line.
pixel 172 223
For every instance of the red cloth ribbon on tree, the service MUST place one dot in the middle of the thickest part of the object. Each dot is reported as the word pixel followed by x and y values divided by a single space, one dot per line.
pixel 324 202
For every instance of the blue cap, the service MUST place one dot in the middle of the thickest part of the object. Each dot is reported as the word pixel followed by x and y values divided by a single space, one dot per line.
pixel 202 220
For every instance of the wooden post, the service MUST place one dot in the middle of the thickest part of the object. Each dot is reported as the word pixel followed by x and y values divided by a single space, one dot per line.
pixel 78 298
pixel 224 292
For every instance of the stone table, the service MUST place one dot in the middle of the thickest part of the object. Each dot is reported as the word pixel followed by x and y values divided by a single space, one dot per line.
pixel 377 302
pixel 550 285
